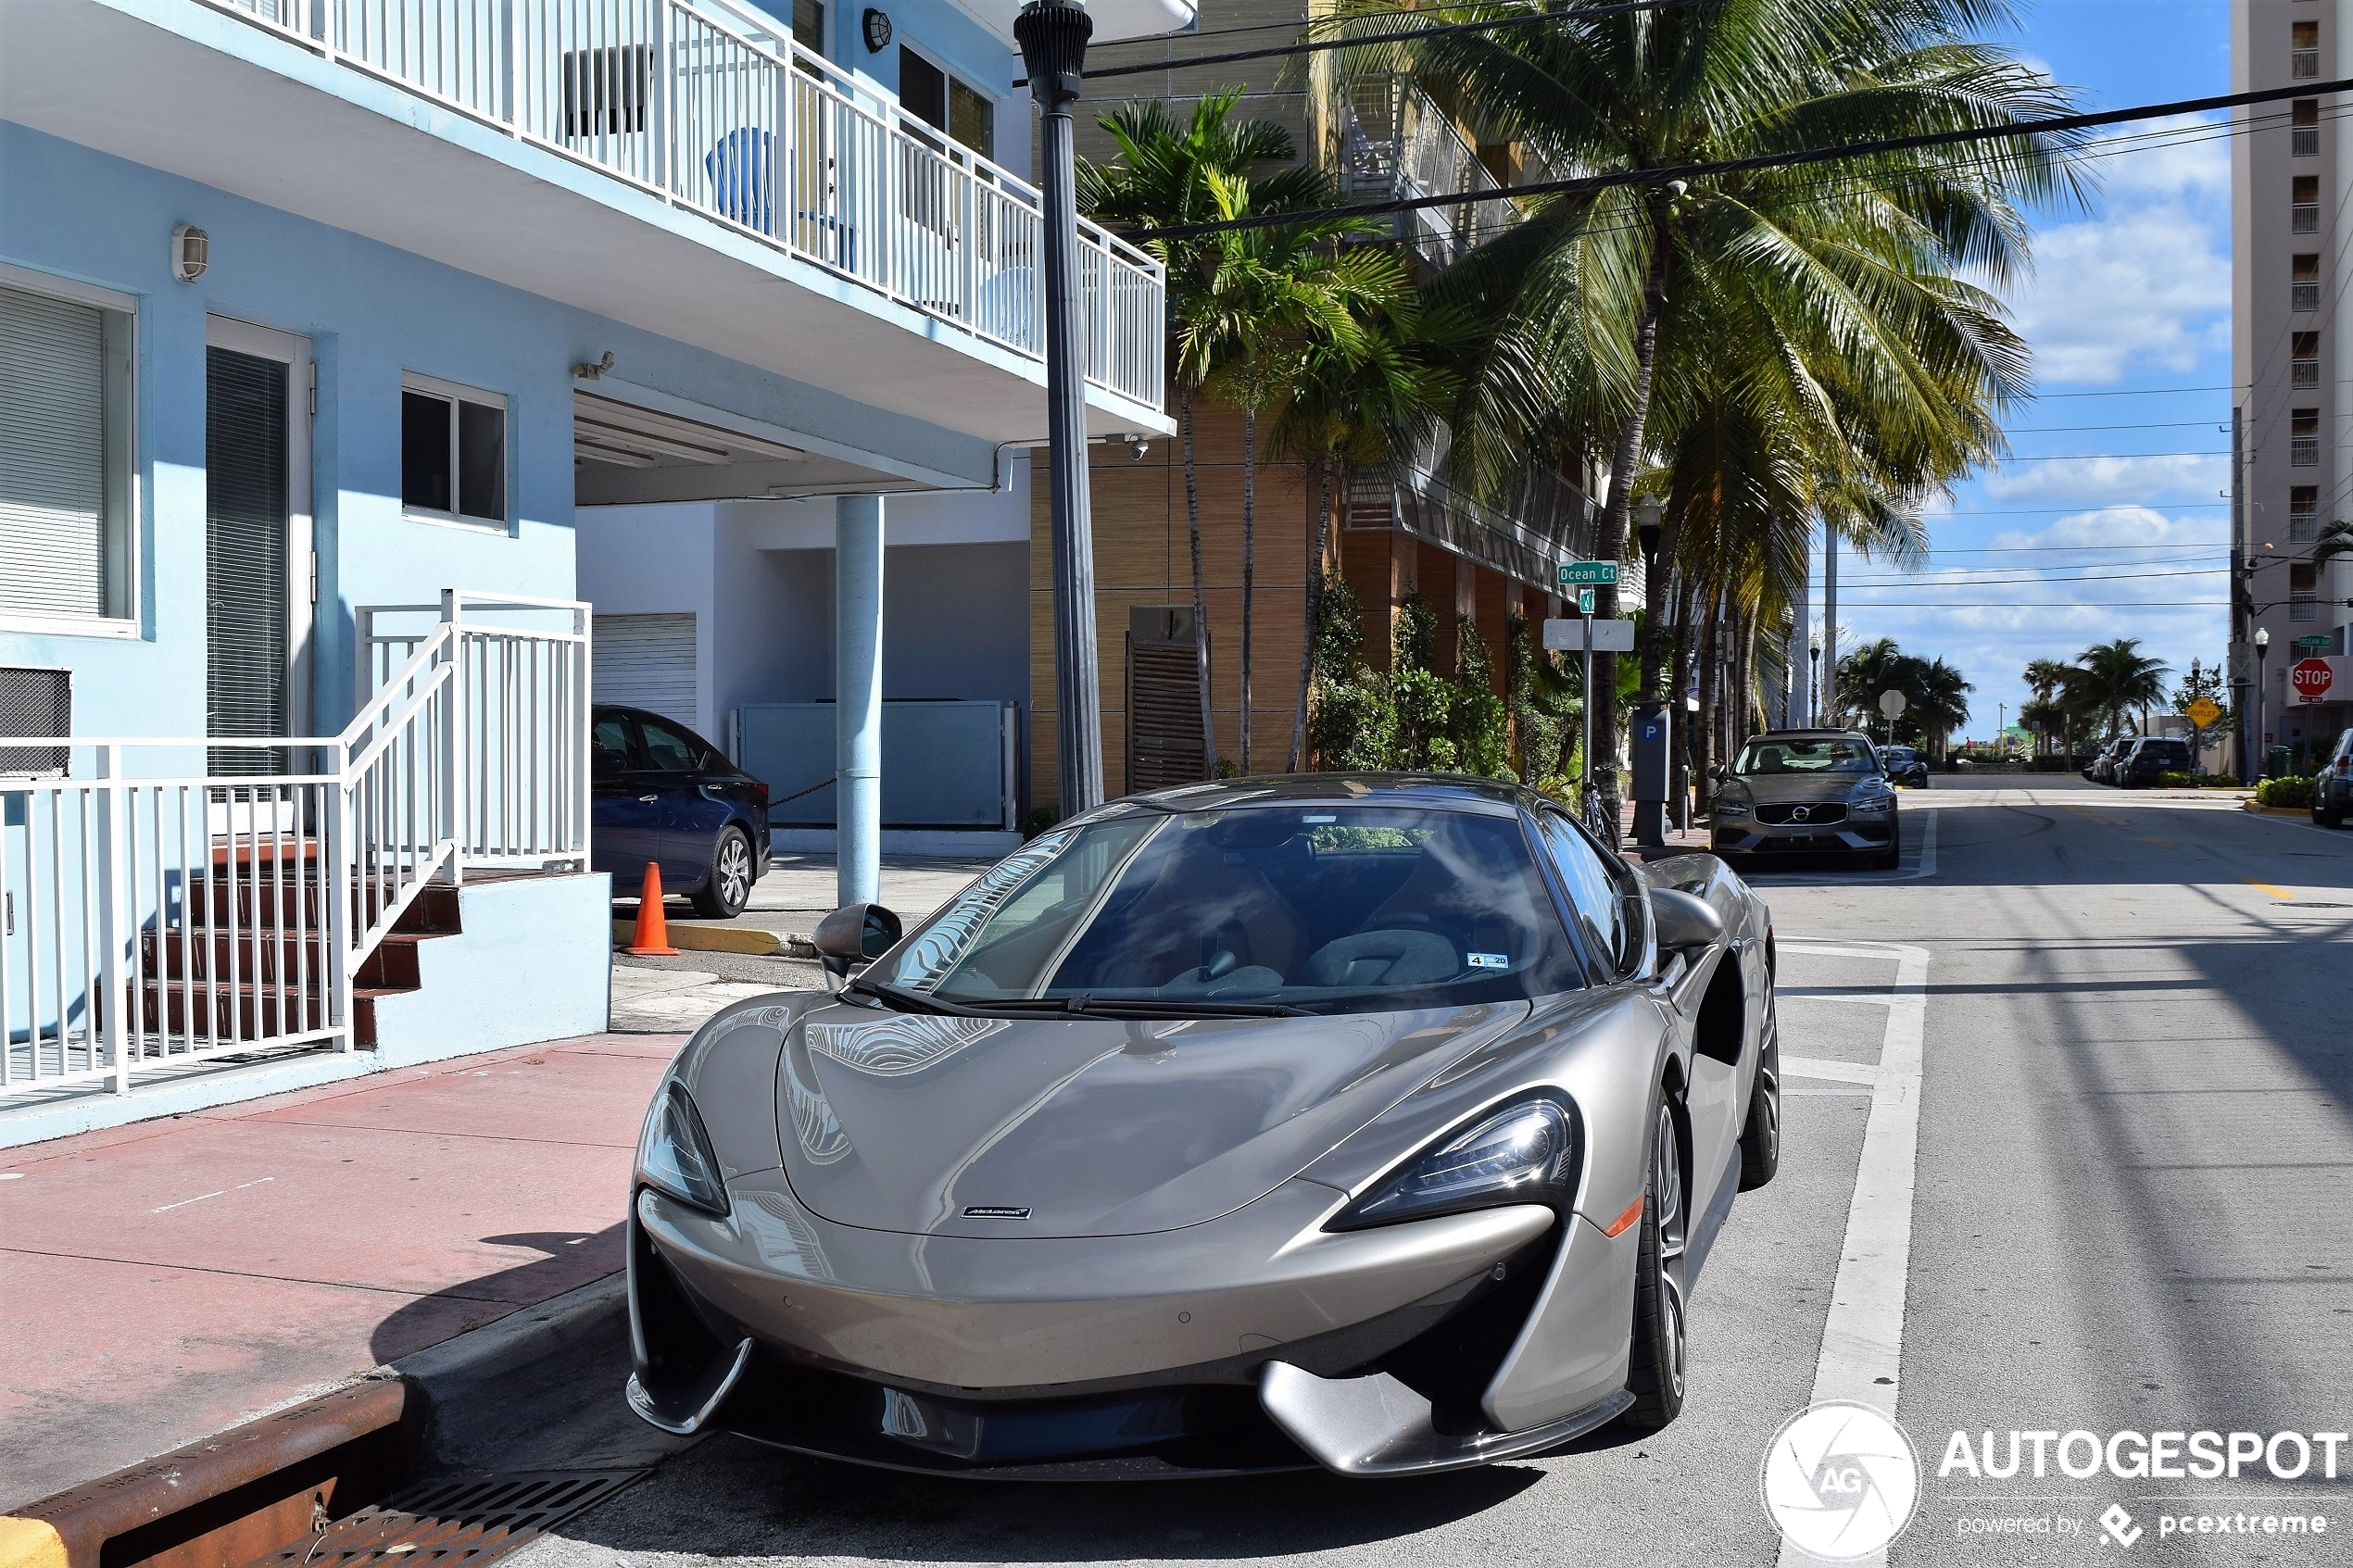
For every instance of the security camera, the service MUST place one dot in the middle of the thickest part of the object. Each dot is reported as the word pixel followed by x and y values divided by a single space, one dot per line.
pixel 1139 446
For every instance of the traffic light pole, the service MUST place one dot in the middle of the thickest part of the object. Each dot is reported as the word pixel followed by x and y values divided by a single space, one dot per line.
pixel 1054 35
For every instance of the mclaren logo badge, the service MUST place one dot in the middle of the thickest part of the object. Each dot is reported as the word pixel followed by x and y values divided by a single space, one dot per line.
pixel 995 1212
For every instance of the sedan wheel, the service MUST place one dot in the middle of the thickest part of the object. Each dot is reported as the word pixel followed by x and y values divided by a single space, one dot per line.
pixel 1655 1369
pixel 723 896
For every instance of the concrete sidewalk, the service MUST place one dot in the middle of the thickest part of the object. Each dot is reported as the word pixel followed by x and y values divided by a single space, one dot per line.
pixel 168 1279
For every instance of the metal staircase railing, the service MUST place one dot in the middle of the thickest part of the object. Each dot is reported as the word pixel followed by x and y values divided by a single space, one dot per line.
pixel 162 906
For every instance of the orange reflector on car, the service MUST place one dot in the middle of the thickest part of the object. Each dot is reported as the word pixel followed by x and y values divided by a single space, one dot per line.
pixel 1618 1226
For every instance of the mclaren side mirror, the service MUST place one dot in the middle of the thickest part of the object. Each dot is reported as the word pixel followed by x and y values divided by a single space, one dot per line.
pixel 855 933
pixel 1684 922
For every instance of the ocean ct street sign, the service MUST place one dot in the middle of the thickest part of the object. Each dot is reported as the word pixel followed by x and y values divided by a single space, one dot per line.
pixel 1593 574
pixel 1609 636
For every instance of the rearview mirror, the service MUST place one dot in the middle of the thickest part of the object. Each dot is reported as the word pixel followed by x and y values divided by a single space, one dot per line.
pixel 1684 922
pixel 855 933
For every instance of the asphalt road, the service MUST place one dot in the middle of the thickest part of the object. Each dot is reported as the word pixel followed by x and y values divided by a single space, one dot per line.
pixel 2088 1058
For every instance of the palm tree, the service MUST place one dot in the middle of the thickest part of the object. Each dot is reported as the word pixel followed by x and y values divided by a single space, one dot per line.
pixel 2335 539
pixel 1274 299
pixel 2045 678
pixel 1841 297
pixel 1354 402
pixel 1163 176
pixel 1940 705
pixel 2113 676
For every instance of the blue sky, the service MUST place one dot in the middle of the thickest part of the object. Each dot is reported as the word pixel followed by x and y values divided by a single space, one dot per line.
pixel 2127 312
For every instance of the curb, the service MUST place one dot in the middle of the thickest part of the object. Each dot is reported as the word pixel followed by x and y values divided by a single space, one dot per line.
pixel 2249 805
pixel 228 1498
pixel 750 939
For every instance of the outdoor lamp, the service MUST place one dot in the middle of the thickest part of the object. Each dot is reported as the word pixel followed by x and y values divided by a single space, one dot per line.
pixel 1646 514
pixel 875 24
pixel 2263 641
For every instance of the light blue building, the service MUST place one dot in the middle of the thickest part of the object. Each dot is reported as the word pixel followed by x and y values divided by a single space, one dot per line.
pixel 319 318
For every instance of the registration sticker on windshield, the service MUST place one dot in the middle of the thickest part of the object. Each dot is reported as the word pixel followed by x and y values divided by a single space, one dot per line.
pixel 1490 961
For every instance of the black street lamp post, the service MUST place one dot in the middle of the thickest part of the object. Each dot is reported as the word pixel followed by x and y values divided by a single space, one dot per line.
pixel 1054 35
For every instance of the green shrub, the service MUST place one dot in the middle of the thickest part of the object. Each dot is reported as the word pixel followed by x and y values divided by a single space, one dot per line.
pixel 2173 778
pixel 2290 793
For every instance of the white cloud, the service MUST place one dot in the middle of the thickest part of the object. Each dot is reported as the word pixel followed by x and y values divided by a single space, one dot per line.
pixel 2021 604
pixel 2096 479
pixel 2146 283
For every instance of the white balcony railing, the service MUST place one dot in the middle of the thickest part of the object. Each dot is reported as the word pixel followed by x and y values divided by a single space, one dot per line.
pixel 1396 141
pixel 170 901
pixel 706 107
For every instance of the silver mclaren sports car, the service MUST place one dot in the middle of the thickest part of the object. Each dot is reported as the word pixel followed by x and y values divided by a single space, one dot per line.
pixel 1379 1123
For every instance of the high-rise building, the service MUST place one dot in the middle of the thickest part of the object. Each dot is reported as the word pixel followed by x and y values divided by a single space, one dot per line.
pixel 2292 324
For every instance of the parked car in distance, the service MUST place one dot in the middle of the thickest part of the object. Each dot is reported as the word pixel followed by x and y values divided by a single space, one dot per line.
pixel 2150 758
pixel 2102 768
pixel 661 794
pixel 2332 789
pixel 1905 765
pixel 1815 792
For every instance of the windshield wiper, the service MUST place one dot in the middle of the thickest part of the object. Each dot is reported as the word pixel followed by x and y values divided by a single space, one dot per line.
pixel 905 1000
pixel 1133 1008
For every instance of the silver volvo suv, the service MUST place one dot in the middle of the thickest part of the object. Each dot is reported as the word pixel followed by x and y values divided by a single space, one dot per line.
pixel 1806 792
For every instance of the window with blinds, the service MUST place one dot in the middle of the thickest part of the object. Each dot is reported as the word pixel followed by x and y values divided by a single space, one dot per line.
pixel 65 457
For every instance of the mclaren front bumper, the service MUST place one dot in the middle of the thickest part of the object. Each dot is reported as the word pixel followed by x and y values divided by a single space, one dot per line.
pixel 1254 1341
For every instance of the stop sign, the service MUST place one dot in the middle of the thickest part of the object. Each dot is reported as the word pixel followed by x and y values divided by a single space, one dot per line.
pixel 2311 677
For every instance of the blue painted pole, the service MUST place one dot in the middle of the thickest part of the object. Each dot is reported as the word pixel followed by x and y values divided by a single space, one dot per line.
pixel 858 632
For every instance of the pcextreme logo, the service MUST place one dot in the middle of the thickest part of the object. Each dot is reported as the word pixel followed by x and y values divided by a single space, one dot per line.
pixel 1840 1481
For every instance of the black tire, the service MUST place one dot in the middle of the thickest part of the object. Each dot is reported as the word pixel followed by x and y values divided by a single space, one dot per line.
pixel 728 888
pixel 1761 1136
pixel 1655 1373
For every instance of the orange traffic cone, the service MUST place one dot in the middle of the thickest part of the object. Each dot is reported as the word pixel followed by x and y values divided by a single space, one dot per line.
pixel 652 937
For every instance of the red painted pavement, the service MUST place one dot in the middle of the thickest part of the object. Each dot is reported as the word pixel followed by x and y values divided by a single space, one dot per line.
pixel 165 1280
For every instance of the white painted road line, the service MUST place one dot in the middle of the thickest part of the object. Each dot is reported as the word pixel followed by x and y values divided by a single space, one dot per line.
pixel 1828 1070
pixel 1862 1351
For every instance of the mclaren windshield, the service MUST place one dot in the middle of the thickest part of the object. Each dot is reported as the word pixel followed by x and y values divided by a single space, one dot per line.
pixel 1318 907
pixel 1793 754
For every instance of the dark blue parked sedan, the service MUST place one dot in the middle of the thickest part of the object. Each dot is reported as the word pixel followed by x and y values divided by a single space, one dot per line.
pixel 663 794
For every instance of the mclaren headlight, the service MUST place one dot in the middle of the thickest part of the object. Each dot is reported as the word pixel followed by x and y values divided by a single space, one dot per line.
pixel 674 1154
pixel 1525 1152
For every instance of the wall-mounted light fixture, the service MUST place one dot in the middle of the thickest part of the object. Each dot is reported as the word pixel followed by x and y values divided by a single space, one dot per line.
pixel 591 369
pixel 191 252
pixel 878 28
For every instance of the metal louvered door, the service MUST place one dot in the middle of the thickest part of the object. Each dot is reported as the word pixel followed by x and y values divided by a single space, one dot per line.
pixel 257 477
pixel 1163 699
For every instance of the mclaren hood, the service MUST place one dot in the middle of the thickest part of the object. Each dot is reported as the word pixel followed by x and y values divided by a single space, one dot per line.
pixel 1024 1128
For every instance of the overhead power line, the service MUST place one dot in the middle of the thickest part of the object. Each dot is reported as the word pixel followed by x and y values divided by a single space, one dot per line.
pixel 1795 157
pixel 1404 35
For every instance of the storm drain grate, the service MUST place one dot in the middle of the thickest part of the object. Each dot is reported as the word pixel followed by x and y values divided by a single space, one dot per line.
pixel 458 1523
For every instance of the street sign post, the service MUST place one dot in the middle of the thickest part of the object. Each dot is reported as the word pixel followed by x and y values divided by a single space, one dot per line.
pixel 1568 636
pixel 1891 703
pixel 2310 678
pixel 1589 573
